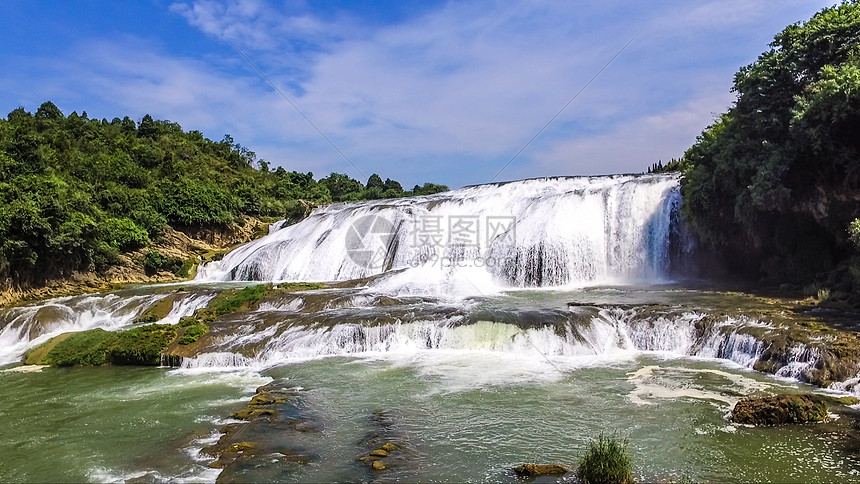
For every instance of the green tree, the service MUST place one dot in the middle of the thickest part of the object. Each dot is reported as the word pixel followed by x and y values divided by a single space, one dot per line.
pixel 766 184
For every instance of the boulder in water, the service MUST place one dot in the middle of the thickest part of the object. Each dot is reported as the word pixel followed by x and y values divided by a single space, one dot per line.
pixel 538 470
pixel 780 409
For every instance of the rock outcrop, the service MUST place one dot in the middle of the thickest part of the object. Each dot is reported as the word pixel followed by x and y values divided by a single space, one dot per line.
pixel 780 409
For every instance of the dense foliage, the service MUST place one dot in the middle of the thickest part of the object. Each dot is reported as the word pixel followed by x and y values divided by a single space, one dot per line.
pixel 773 183
pixel 75 192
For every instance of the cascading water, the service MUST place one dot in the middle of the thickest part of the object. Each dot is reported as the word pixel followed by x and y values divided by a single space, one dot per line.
pixel 542 232
pixel 24 327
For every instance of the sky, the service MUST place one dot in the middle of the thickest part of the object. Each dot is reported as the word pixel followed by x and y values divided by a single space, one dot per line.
pixel 417 91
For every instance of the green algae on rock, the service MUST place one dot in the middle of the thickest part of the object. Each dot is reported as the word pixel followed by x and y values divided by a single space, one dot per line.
pixel 780 409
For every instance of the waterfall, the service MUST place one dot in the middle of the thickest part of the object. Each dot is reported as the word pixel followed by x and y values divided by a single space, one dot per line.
pixel 24 327
pixel 530 233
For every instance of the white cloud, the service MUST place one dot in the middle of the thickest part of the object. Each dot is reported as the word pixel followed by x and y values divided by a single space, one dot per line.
pixel 448 95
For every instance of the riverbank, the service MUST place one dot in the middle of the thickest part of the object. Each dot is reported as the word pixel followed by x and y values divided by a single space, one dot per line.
pixel 186 249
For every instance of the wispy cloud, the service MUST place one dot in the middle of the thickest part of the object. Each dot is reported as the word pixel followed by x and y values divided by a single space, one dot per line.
pixel 448 94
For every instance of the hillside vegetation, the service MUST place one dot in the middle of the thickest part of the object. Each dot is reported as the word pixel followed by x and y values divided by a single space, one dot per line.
pixel 773 184
pixel 75 192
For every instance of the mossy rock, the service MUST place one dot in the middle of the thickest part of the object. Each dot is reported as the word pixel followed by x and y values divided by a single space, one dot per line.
pixel 250 413
pixel 241 447
pixel 780 409
pixel 379 453
pixel 137 346
pixel 36 356
pixel 267 399
pixel 86 348
pixel 538 470
pixel 378 465
pixel 389 447
pixel 157 311
pixel 192 333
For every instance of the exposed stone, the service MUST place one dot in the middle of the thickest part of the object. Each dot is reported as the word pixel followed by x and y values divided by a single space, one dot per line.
pixel 780 409
pixel 241 447
pixel 378 465
pixel 379 453
pixel 249 413
pixel 389 447
pixel 537 470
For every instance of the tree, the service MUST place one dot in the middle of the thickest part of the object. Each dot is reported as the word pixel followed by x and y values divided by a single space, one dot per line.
pixel 767 183
pixel 49 110
pixel 375 181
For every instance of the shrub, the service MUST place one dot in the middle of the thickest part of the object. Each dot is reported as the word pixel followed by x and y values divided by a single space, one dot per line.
pixel 124 234
pixel 605 462
pixel 154 261
pixel 140 346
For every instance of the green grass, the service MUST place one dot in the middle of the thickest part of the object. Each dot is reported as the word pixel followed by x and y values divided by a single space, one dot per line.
pixel 141 346
pixel 137 346
pixel 605 462
pixel 88 348
pixel 248 295
pixel 192 333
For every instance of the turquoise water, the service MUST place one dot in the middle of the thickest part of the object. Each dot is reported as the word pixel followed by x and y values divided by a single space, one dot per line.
pixel 453 418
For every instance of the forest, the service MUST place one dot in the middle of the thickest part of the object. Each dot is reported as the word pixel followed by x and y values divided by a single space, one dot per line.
pixel 75 192
pixel 774 183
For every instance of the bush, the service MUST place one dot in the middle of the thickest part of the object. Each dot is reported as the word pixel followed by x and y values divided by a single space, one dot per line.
pixel 605 462
pixel 154 261
pixel 124 234
pixel 140 346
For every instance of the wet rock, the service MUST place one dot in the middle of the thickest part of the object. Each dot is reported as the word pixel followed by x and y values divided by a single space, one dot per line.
pixel 249 413
pixel 302 426
pixel 379 453
pixel 389 447
pixel 378 465
pixel 537 470
pixel 263 437
pixel 241 447
pixel 267 399
pixel 780 409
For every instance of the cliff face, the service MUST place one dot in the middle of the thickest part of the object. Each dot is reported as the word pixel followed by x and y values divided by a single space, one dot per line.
pixel 185 248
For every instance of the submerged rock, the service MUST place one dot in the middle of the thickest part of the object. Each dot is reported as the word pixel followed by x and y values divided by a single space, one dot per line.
pixel 780 409
pixel 537 470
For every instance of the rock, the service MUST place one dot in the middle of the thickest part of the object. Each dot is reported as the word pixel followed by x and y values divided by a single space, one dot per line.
pixel 379 453
pixel 305 427
pixel 537 470
pixel 262 399
pixel 241 447
pixel 250 413
pixel 378 465
pixel 780 409
pixel 389 447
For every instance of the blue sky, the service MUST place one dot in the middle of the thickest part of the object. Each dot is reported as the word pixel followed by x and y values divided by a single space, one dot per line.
pixel 417 91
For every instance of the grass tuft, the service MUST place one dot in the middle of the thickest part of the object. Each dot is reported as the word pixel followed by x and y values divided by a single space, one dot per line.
pixel 605 462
